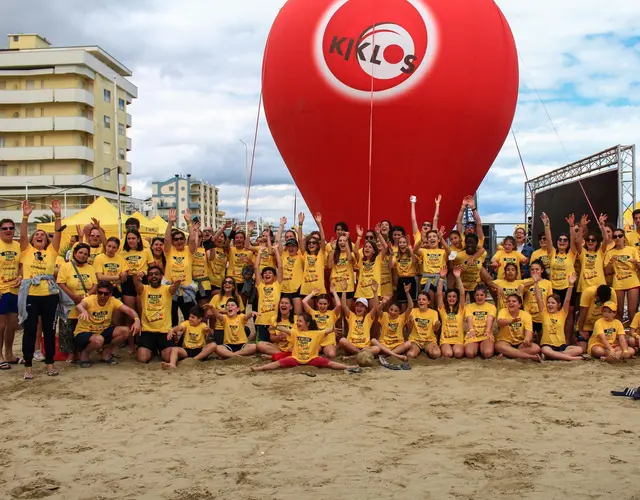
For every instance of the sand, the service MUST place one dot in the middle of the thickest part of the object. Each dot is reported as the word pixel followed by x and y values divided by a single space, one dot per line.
pixel 468 429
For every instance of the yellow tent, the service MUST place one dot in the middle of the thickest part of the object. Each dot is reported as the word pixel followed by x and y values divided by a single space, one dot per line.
pixel 160 223
pixel 146 225
pixel 106 213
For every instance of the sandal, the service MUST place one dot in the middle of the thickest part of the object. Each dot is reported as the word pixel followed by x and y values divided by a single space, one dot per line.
pixel 28 375
pixel 5 366
pixel 17 361
pixel 355 369
pixel 84 364
pixel 52 372
pixel 109 361
pixel 405 366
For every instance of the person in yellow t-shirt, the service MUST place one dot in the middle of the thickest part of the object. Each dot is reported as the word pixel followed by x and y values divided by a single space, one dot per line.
pixel 608 342
pixel 515 337
pixel 591 256
pixel 432 258
pixel 110 266
pixel 507 286
pixel 426 225
pixel 194 339
pixel 269 287
pixel 341 261
pixel 623 262
pixel 219 303
pixel 155 301
pixel 424 322
pixel 292 263
pixel 264 245
pixel 9 266
pixel 508 255
pixel 199 267
pixel 306 338
pixel 591 302
pixel 553 344
pixel 480 316
pixel 360 322
pixel 633 237
pixel 278 344
pixel 313 259
pixel 471 259
pixel 95 331
pixel 633 339
pixel 324 317
pixel 369 269
pixel 406 269
pixel 451 310
pixel 541 253
pixel 392 324
pixel 235 341
pixel 536 269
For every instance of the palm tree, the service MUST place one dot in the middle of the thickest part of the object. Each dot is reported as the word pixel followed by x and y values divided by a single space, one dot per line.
pixel 43 219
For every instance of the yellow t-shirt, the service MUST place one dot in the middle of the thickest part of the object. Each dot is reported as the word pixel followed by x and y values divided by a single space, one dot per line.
pixel 156 309
pixel 514 333
pixel 326 320
pixel 267 258
pixel 306 345
pixel 194 337
pixel 479 315
pixel 503 258
pixel 291 272
pixel 285 345
pixel 199 268
pixel 530 302
pixel 392 330
pixel 369 272
pixel 234 330
pixel 386 277
pixel 179 265
pixel 68 276
pixel 405 266
pixel 509 288
pixel 452 326
pixel 543 255
pixel 35 263
pixel 359 330
pixel 422 332
pixel 109 266
pixel 433 260
pixel 625 274
pixel 635 323
pixel 561 266
pixel 217 266
pixel 470 275
pixel 313 273
pixel 341 270
pixel 591 270
pixel 268 299
pixel 633 238
pixel 9 264
pixel 220 304
pixel 589 299
pixel 99 316
pixel 237 260
pixel 553 328
pixel 137 261
pixel 610 329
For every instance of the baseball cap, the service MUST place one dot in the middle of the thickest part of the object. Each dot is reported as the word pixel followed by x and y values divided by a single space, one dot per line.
pixel 611 305
pixel 291 241
pixel 362 301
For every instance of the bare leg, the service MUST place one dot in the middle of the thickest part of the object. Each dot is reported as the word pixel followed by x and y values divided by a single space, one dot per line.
pixel 337 366
pixel 632 302
pixel 143 355
pixel 207 351
pixel 487 348
pixel 247 350
pixel 402 348
pixel 471 350
pixel 570 354
pixel 274 365
pixel 433 351
pixel 9 334
pixel 120 334
pixel 264 348
pixel 165 353
pixel 447 350
pixel 348 347
pixel 458 351
pixel 330 351
pixel 414 350
pixel 620 297
pixel 176 352
pixel 95 344
pixel 385 350
pixel 509 351
pixel 297 306
pixel 133 304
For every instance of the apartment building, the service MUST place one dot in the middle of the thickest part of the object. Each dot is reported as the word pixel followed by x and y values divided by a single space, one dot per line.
pixel 182 193
pixel 64 125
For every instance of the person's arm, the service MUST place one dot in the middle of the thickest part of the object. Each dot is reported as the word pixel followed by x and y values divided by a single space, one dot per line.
pixel 186 213
pixel 135 328
pixel 175 332
pixel 572 233
pixel 407 290
pixel 567 298
pixel 194 237
pixel 279 274
pixel 137 283
pixel 624 345
pixel 171 220
pixel 382 242
pixel 582 317
pixel 27 209
pixel 283 222
pixel 174 286
pixel 300 232
pixel 215 312
pixel 463 207
pixel 322 241
pixel 57 224
pixel 336 300
pixel 477 220
pixel 256 266
pixel 439 294
pixel 414 258
pixel 606 241
pixel 443 241
pixel 343 303
pixel 76 298
pixel 584 221
pixel 547 232
pixel 375 304
pixel 359 234
pixel 307 299
pixel 457 272
pixel 251 225
pixel 536 280
pixel 81 307
pixel 103 235
pixel 414 219
pixel 436 215
pixel 471 331
pixel 331 257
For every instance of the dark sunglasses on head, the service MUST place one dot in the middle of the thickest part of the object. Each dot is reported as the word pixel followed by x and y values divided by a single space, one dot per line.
pixel 104 294
pixel 618 236
pixel 9 228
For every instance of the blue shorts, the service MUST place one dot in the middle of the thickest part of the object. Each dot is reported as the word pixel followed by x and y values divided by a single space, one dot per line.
pixel 9 303
pixel 432 281
pixel 81 340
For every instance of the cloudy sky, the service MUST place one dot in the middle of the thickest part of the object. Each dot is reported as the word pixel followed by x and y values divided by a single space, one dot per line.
pixel 197 66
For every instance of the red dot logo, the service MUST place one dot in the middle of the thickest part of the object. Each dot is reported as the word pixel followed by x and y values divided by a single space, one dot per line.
pixel 379 47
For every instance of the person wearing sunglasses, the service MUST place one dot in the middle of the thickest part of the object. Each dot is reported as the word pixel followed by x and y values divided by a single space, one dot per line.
pixel 9 283
pixel 314 258
pixel 238 257
pixel 217 258
pixel 591 254
pixel 542 253
pixel 94 236
pixel 633 237
pixel 94 331
pixel 524 248
pixel 38 296
pixel 179 266
pixel 562 260
pixel 473 226
pixel 623 263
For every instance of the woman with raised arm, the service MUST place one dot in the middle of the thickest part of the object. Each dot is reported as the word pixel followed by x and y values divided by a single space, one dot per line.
pixel 515 339
pixel 269 286
pixel 480 316
pixel 38 295
pixel 472 226
pixel 392 324
pixel 591 253
pixel 451 316
pixel 264 241
pixel 341 261
pixel 433 252
pixel 292 269
pixel 406 269
pixel 324 317
pixel 426 226
pixel 622 261
pixel 199 267
pixel 217 258
pixel 313 260
pixel 370 267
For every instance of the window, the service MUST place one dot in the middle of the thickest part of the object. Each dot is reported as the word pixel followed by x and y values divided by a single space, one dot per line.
pixel 16 38
pixel 28 141
pixel 106 148
pixel 31 84
pixel 1 142
pixel 107 95
pixel 121 153
pixel 171 189
pixel 120 129
pixel 107 121
pixel 3 84
pixel 3 169
pixel 107 174
pixel 121 104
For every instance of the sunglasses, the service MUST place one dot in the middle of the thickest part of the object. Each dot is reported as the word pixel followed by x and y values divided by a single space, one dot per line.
pixel 564 240
pixel 228 283
pixel 618 236
pixel 104 294
pixel 542 238
pixel 9 228
pixel 178 239
pixel 591 240
pixel 313 242
pixel 370 237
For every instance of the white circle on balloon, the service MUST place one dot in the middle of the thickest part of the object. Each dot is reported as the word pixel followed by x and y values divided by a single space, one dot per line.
pixel 420 72
pixel 389 37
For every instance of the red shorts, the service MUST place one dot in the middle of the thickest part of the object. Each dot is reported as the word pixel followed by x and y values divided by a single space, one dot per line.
pixel 280 355
pixel 289 362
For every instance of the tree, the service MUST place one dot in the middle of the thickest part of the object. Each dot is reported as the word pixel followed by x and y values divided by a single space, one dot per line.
pixel 43 219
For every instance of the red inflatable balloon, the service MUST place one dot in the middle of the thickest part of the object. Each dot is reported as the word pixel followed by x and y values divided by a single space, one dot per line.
pixel 372 101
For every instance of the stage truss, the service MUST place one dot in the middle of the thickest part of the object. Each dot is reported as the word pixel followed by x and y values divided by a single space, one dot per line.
pixel 620 158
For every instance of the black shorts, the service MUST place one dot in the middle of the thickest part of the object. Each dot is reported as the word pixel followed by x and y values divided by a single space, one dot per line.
pixel 81 340
pixel 537 327
pixel 580 338
pixel 128 288
pixel 575 298
pixel 234 347
pixel 401 295
pixel 192 353
pixel 204 295
pixel 556 348
pixel 117 293
pixel 263 334
pixel 293 295
pixel 156 342
pixel 218 337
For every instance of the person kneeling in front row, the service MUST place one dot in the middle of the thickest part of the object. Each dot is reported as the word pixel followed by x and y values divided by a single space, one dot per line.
pixel 194 339
pixel 94 330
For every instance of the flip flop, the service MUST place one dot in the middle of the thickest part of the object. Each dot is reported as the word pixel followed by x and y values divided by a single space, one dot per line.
pixel 389 366
pixel 309 374
pixel 355 369
pixel 52 372
pixel 28 375
pixel 405 366
pixel 5 366
pixel 17 361
pixel 636 395
pixel 109 361
pixel 85 364
pixel 628 392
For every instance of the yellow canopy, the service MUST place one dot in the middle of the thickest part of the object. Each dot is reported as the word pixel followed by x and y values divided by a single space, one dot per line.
pixel 160 223
pixel 149 225
pixel 106 213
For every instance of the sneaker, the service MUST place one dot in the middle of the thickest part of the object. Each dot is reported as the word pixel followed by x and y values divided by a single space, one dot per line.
pixel 38 356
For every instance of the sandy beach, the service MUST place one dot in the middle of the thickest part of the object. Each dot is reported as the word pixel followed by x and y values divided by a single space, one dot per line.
pixel 466 429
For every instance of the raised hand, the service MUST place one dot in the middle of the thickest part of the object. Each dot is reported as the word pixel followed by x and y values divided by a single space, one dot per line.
pixel 283 221
pixel 603 219
pixel 172 216
pixel 27 208
pixel 545 218
pixel 377 228
pixel 187 215
pixel 332 289
pixel 300 218
pixel 318 217
pixel 443 273
pixel 441 232
pixel 571 220
pixel 251 226
pixel 95 222
pixel 438 199
pixel 584 221
pixel 56 207
pixel 359 231
pixel 407 287
pixel 457 271
pixel 572 279
pixel 228 224
pixel 374 286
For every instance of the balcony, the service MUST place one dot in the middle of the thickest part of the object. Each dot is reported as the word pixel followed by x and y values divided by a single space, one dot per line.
pixel 127 167
pixel 37 183
pixel 26 96
pixel 40 153
pixel 74 95
pixel 194 205
pixel 128 143
pixel 46 124
pixel 128 120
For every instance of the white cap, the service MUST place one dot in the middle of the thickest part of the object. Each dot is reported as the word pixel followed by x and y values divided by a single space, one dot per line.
pixel 362 301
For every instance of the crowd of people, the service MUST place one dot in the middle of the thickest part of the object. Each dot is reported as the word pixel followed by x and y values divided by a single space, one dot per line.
pixel 302 298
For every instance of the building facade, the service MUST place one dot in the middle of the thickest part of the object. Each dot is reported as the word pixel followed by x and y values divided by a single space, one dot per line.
pixel 182 193
pixel 64 125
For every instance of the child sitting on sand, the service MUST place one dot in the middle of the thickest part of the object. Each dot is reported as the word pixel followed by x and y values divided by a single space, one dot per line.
pixel 608 341
pixel 359 321
pixel 392 323
pixel 194 339
pixel 235 336
pixel 425 322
